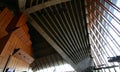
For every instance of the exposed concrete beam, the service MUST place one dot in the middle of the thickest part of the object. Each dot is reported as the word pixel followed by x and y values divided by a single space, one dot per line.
pixel 44 5
pixel 84 64
pixel 49 40
pixel 22 4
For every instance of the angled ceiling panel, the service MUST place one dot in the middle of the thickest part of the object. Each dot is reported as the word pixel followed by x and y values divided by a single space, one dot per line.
pixel 64 24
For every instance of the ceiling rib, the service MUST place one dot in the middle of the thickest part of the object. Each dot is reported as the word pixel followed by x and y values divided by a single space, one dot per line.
pixel 74 32
pixel 59 36
pixel 66 32
pixel 44 5
pixel 64 36
pixel 50 41
pixel 80 34
pixel 62 24
pixel 77 33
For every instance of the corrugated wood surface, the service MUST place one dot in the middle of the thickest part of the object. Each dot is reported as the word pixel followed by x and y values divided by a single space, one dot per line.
pixel 13 42
pixel 5 18
pixel 23 34
pixel 18 37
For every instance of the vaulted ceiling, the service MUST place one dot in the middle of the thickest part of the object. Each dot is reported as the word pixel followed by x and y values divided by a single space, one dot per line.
pixel 58 26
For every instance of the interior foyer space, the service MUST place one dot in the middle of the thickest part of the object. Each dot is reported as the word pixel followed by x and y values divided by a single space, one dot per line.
pixel 59 35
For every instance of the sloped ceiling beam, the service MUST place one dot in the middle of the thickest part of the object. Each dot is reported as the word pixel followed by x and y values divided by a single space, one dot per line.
pixel 49 40
pixel 44 5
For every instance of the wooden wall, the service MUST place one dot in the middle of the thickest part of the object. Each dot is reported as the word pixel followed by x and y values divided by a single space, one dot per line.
pixel 16 36
pixel 5 18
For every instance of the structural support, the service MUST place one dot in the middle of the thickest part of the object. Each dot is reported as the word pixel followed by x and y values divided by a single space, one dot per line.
pixel 49 40
pixel 44 5
pixel 84 65
pixel 22 4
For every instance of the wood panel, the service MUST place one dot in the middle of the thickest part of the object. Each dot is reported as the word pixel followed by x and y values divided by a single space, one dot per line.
pixel 18 64
pixel 3 13
pixel 16 22
pixel 13 42
pixel 22 39
pixel 23 35
pixel 3 42
pixel 2 33
pixel 17 37
pixel 20 54
pixel 5 18
pixel 8 49
pixel 21 21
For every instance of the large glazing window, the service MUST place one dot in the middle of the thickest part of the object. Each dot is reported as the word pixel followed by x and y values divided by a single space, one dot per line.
pixel 103 18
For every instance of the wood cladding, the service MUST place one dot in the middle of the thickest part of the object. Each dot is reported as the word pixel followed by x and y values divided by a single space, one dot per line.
pixel 16 36
pixel 3 42
pixel 2 33
pixel 16 22
pixel 17 64
pixel 20 54
pixel 5 18
pixel 23 34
